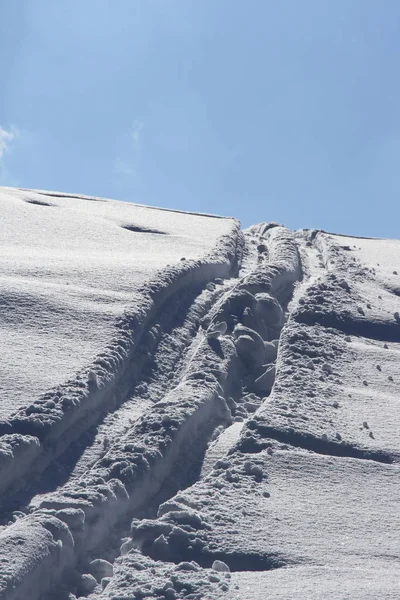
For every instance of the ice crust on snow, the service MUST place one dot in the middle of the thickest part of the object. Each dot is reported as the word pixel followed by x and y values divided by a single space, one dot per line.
pixel 201 412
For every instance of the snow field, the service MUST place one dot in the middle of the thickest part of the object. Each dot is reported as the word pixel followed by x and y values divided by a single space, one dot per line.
pixel 133 472
pixel 240 406
pixel 307 496
pixel 166 540
pixel 33 555
pixel 60 415
pixel 68 268
pixel 282 507
pixel 370 581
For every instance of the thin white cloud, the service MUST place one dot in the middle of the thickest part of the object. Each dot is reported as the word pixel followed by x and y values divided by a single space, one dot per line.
pixel 6 138
pixel 135 133
pixel 122 168
pixel 126 165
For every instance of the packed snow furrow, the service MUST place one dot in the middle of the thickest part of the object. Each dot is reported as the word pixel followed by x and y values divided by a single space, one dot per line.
pixel 60 416
pixel 350 325
pixel 138 468
pixel 255 250
pixel 267 317
pixel 177 346
pixel 237 427
pixel 172 437
pixel 162 347
pixel 162 371
pixel 261 437
pixel 280 508
pixel 279 274
pixel 179 552
pixel 248 507
pixel 337 317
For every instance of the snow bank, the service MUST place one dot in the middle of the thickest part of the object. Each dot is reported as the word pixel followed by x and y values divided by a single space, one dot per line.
pixel 266 440
pixel 137 468
pixel 283 268
pixel 280 507
pixel 34 553
pixel 62 414
pixel 137 574
pixel 134 471
pixel 69 266
pixel 310 481
pixel 180 531
pixel 337 379
pixel 369 581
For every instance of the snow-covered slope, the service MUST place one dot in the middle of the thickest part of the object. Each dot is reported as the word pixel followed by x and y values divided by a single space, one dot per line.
pixel 69 267
pixel 223 426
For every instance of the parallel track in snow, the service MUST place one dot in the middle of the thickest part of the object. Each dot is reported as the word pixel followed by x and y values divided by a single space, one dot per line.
pixel 186 386
pixel 184 402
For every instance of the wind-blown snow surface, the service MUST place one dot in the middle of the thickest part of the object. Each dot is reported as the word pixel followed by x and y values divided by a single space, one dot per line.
pixel 222 427
pixel 68 267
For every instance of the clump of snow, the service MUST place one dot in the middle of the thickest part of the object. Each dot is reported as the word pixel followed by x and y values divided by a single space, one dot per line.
pixel 100 568
pixel 220 566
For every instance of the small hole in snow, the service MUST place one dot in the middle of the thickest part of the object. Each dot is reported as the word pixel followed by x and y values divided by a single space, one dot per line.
pixel 39 202
pixel 141 229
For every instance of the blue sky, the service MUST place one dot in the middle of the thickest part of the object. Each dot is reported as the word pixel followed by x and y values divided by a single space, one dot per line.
pixel 282 110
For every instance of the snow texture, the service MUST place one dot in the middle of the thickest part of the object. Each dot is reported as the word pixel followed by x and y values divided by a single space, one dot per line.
pixel 69 266
pixel 194 411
